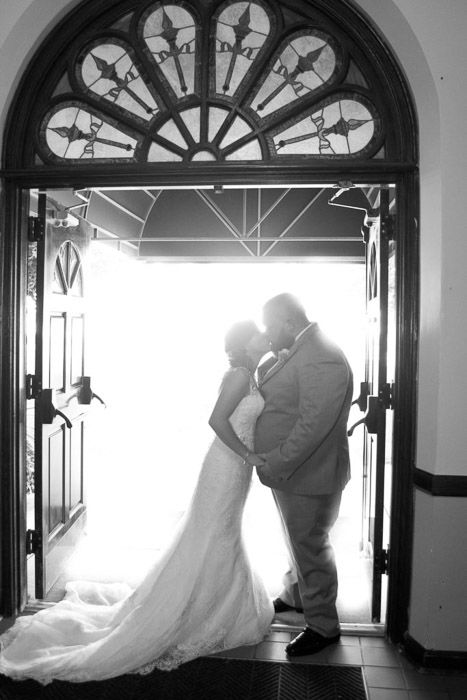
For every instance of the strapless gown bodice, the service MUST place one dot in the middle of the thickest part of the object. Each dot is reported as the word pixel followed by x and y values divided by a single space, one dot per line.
pixel 243 419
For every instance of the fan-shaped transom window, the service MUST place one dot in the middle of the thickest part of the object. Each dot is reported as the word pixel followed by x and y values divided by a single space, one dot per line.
pixel 242 84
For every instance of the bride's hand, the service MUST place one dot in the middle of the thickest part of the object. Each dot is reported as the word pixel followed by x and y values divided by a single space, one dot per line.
pixel 254 460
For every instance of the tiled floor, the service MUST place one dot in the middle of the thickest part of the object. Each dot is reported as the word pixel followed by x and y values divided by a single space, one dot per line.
pixel 388 674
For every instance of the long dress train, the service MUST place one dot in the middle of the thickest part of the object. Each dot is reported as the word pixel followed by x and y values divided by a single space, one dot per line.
pixel 202 596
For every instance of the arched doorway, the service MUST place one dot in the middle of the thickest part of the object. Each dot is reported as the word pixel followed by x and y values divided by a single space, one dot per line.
pixel 235 94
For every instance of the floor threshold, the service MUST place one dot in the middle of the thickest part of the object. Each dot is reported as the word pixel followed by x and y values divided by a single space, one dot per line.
pixel 347 629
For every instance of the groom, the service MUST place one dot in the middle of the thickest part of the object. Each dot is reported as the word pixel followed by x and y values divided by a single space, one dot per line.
pixel 302 436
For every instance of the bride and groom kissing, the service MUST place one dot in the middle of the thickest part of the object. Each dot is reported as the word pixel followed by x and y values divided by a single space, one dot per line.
pixel 287 418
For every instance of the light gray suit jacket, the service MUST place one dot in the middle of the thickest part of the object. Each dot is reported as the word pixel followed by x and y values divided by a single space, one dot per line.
pixel 303 427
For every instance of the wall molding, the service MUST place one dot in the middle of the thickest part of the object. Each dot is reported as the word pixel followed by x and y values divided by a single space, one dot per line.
pixel 441 484
pixel 433 658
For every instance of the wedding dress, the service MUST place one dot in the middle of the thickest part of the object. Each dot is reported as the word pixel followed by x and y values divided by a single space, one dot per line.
pixel 200 597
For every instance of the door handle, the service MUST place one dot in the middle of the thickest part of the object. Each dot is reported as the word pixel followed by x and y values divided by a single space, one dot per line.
pixel 370 419
pixel 86 394
pixel 96 396
pixel 46 409
pixel 355 425
pixel 68 422
pixel 361 400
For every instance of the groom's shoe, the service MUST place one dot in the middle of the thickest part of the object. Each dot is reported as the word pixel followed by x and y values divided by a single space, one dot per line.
pixel 280 606
pixel 309 642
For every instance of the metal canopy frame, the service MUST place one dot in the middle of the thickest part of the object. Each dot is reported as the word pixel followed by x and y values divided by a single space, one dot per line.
pixel 234 234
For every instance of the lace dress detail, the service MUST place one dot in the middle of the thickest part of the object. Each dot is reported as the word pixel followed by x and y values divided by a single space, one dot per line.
pixel 200 597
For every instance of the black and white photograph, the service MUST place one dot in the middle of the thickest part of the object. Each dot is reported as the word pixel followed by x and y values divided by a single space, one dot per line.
pixel 232 383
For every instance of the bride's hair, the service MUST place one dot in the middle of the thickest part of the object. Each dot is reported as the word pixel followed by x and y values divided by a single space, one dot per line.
pixel 236 340
pixel 238 335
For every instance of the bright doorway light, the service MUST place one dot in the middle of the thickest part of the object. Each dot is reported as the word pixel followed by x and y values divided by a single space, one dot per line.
pixel 157 357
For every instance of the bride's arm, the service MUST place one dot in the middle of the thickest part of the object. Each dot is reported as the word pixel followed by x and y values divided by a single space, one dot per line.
pixel 235 386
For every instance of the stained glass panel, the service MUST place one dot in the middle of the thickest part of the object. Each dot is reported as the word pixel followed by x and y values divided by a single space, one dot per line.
pixel 238 128
pixel 73 263
pixel 204 155
pixel 171 132
pixel 59 285
pixel 191 117
pixel 250 151
pixel 340 127
pixel 245 83
pixel 74 132
pixel 75 271
pixel 170 34
pixel 108 71
pixel 159 153
pixel 306 63
pixel 68 275
pixel 216 118
pixel 241 30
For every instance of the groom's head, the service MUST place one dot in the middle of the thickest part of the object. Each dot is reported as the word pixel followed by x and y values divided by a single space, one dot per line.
pixel 284 317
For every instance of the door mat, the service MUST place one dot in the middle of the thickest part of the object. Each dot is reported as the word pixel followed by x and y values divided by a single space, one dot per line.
pixel 207 679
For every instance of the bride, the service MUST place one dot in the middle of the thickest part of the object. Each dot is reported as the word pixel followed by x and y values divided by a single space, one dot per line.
pixel 200 597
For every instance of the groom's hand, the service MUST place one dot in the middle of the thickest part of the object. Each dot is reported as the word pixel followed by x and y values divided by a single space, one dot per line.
pixel 254 460
pixel 265 469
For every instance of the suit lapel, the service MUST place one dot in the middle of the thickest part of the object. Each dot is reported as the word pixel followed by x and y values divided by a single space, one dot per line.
pixel 265 368
pixel 281 363
pixel 271 372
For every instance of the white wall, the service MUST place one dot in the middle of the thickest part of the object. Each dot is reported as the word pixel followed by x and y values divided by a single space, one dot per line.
pixel 409 49
pixel 428 37
pixel 24 25
pixel 439 605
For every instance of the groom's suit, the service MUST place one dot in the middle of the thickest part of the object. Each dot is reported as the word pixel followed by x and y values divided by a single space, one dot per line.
pixel 303 433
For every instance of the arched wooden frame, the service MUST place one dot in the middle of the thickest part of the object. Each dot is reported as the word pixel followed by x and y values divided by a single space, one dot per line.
pixel 22 167
pixel 53 89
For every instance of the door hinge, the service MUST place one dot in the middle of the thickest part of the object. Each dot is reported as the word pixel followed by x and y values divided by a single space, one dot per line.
pixel 32 386
pixel 381 562
pixel 36 229
pixel 386 396
pixel 33 541
pixel 387 227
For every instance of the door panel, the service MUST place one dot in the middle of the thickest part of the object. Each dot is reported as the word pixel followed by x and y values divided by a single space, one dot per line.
pixel 76 498
pixel 56 458
pixel 379 375
pixel 57 339
pixel 60 417
pixel 378 430
pixel 77 350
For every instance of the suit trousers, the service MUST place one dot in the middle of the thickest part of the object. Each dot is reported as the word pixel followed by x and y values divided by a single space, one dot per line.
pixel 311 581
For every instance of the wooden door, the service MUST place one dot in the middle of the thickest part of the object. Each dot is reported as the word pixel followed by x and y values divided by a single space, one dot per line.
pixel 376 397
pixel 62 397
